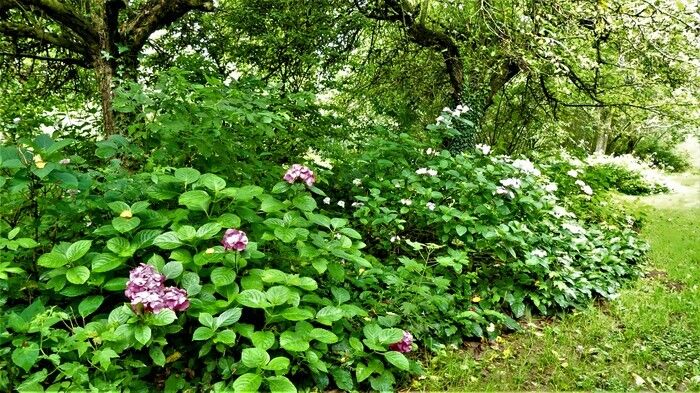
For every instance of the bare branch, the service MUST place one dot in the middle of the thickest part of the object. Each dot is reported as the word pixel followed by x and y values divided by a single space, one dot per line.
pixel 62 13
pixel 25 31
pixel 66 60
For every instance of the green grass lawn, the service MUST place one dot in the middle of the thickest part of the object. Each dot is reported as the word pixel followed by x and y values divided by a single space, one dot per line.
pixel 647 339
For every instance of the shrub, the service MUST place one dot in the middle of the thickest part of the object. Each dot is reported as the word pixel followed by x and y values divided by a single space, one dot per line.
pixel 663 155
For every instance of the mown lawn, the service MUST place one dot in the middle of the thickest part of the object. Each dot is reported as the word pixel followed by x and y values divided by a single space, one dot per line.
pixel 648 339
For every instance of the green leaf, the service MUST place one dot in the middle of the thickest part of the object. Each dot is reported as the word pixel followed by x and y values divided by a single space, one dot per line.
pixel 397 359
pixel 118 206
pixel 390 336
pixel 247 383
pixel 78 249
pixel 362 372
pixel 172 269
pixel 285 234
pixel 278 295
pixel 329 314
pixel 105 262
pixel 270 205
pixel 461 230
pixel 157 355
pixel 202 333
pixel 212 182
pixel 227 337
pixel 142 334
pixel 351 233
pixel 293 342
pixel 26 242
pixel 11 235
pixel 247 193
pixel 304 203
pixel 167 241
pixel 120 246
pixel 281 384
pixel 343 379
pixel 297 314
pixel 207 320
pixel 229 317
pixel 190 283
pixel 323 336
pixel 253 298
pixel 279 363
pixel 52 260
pixel 263 340
pixel 209 230
pixel 254 357
pixel 222 276
pixel 26 357
pixel 78 275
pixel 187 175
pixel 356 344
pixel 89 305
pixel 164 317
pixel 195 200
pixel 124 225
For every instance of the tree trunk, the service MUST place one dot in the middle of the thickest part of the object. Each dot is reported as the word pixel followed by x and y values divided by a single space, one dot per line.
pixel 104 72
pixel 604 131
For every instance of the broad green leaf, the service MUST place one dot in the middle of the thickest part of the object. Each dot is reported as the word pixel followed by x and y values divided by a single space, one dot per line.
pixel 142 333
pixel 329 314
pixel 281 384
pixel 269 204
pixel 89 305
pixel 105 262
pixel 278 295
pixel 212 182
pixel 78 275
pixel 164 317
pixel 209 230
pixel 263 340
pixel 52 260
pixel 343 379
pixel 157 355
pixel 187 175
pixel 323 336
pixel 78 249
pixel 195 200
pixel 304 203
pixel 247 193
pixel 26 357
pixel 279 363
pixel 227 337
pixel 297 314
pixel 254 357
pixel 222 276
pixel 124 225
pixel 229 317
pixel 247 383
pixel 397 359
pixel 167 241
pixel 172 269
pixel 293 341
pixel 253 298
pixel 202 333
pixel 207 320
pixel 351 233
pixel 120 246
pixel 390 336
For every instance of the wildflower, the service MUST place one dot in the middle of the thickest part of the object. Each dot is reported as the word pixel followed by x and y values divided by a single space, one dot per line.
pixel 39 162
pixel 431 152
pixel 327 200
pixel 64 161
pixel 572 173
pixel 394 239
pixel 573 228
pixel 357 182
pixel 126 214
pixel 430 206
pixel 341 204
pixel 298 171
pixel 491 328
pixel 234 239
pixel 357 204
pixel 338 235
pixel 504 191
pixel 560 212
pixel 587 190
pixel 421 171
pixel 404 345
pixel 484 149
pixel 432 172
pixel 16 120
pixel 406 202
pixel 476 299
pixel 526 166
pixel 551 187
pixel 539 253
pixel 175 299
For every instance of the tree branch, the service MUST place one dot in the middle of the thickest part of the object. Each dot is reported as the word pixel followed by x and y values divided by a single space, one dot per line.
pixel 66 60
pixel 157 14
pixel 25 31
pixel 62 13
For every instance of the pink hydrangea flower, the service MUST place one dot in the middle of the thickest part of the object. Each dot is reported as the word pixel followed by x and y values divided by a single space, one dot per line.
pixel 234 239
pixel 404 345
pixel 298 171
pixel 145 287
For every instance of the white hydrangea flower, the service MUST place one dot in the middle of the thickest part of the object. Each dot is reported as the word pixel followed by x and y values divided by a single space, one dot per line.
pixel 526 166
pixel 327 200
pixel 539 253
pixel 511 182
pixel 551 187
pixel 483 148
pixel 394 239
pixel 572 173
pixel 406 202
pixel 430 206
pixel 341 204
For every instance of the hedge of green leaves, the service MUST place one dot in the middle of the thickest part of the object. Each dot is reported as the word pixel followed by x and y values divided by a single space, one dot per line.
pixel 338 289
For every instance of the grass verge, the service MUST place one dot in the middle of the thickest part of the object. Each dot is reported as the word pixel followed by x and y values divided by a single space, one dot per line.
pixel 647 339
